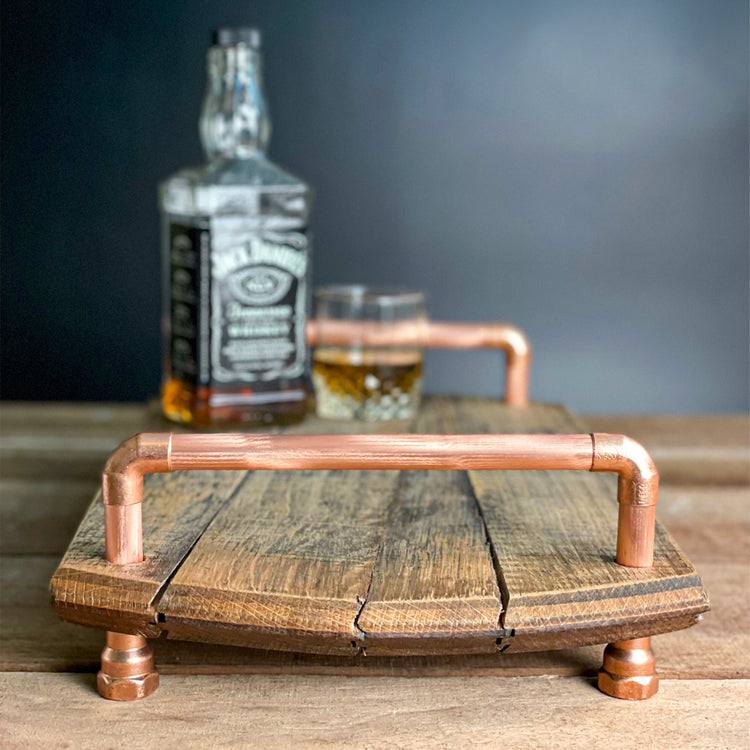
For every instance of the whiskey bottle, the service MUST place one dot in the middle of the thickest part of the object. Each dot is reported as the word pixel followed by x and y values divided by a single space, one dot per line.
pixel 236 260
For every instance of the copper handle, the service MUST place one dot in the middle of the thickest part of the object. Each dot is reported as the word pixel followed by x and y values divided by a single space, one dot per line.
pixel 122 485
pixel 437 335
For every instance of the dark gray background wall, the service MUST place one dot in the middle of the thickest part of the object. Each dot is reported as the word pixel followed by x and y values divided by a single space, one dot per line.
pixel 579 168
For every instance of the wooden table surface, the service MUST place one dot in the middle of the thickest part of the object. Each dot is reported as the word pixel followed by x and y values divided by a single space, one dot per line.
pixel 218 697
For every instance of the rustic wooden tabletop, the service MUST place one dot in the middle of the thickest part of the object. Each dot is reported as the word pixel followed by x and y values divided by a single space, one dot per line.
pixel 214 696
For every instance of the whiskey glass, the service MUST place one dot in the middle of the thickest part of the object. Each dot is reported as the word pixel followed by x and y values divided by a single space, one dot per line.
pixel 367 359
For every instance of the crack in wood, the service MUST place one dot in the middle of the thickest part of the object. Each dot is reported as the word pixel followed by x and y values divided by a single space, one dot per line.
pixel 160 617
pixel 501 584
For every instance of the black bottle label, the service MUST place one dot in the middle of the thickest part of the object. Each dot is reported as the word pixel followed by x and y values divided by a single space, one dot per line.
pixel 189 249
pixel 247 324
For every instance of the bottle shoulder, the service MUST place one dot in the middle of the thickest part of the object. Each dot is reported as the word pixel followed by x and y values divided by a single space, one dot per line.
pixel 235 186
pixel 257 174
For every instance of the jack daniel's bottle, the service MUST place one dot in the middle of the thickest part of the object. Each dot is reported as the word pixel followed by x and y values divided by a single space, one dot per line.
pixel 236 260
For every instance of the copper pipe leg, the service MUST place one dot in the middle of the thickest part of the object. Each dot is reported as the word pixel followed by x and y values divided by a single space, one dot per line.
pixel 629 670
pixel 128 672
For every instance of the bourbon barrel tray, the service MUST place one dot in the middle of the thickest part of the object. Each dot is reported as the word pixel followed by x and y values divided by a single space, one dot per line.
pixel 395 559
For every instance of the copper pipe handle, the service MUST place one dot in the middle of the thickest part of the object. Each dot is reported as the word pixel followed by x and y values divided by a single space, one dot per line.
pixel 436 335
pixel 122 481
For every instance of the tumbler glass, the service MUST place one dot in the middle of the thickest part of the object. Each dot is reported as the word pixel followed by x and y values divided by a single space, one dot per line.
pixel 367 360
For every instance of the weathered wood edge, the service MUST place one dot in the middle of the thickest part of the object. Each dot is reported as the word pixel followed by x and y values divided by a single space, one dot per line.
pixel 176 519
pixel 33 638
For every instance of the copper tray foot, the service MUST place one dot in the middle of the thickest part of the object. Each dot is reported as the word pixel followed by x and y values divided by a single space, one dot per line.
pixel 629 670
pixel 128 672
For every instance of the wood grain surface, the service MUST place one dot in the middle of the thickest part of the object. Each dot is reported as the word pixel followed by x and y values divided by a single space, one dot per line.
pixel 297 712
pixel 286 563
pixel 545 699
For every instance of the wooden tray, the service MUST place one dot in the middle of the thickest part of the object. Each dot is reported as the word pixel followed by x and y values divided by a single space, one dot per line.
pixel 384 561
pixel 410 562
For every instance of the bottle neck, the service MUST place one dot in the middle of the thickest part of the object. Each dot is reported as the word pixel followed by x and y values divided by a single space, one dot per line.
pixel 234 122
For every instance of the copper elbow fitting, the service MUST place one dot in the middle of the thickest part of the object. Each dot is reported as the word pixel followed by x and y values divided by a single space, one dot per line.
pixel 490 336
pixel 122 492
pixel 637 493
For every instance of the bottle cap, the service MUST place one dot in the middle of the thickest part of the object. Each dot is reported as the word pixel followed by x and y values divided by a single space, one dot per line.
pixel 230 37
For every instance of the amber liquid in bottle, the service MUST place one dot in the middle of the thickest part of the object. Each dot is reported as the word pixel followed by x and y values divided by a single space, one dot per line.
pixel 235 261
pixel 183 402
